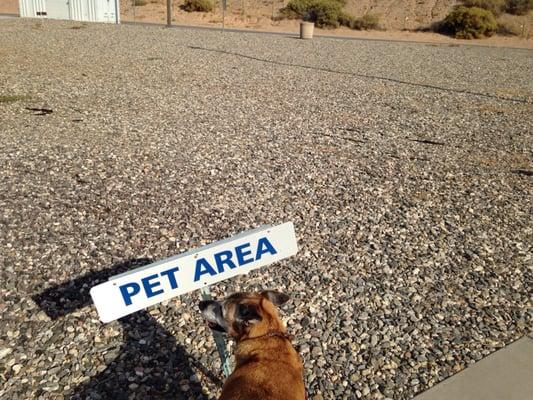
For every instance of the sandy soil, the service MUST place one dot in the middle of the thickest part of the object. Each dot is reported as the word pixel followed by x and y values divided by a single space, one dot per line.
pixel 400 20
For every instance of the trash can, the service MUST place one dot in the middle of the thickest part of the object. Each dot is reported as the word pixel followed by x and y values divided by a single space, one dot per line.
pixel 306 30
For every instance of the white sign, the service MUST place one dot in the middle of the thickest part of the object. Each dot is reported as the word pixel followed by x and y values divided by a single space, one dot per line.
pixel 151 284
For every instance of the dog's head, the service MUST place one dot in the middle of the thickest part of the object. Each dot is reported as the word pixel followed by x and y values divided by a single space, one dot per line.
pixel 242 314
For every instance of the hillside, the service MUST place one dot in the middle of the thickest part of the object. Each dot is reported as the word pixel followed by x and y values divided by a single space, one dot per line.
pixel 403 14
pixel 393 15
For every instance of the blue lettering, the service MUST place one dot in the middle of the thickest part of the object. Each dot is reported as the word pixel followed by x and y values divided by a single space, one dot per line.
pixel 224 257
pixel 170 273
pixel 148 286
pixel 241 254
pixel 127 294
pixel 264 246
pixel 207 269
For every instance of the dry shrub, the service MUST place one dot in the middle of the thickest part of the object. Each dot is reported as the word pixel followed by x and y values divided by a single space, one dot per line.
pixel 366 22
pixel 494 6
pixel 513 25
pixel 198 5
pixel 518 7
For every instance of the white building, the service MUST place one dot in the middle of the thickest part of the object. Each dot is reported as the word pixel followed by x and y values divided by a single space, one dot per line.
pixel 76 10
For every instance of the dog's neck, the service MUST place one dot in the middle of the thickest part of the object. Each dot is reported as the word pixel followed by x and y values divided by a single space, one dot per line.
pixel 266 341
pixel 261 339
pixel 267 326
pixel 265 348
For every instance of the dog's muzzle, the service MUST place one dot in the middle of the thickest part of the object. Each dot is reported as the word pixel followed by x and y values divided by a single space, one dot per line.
pixel 212 311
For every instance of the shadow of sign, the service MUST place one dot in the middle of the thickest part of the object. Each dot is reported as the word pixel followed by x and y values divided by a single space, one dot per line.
pixel 148 364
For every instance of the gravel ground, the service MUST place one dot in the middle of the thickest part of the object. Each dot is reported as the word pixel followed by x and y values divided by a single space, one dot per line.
pixel 406 169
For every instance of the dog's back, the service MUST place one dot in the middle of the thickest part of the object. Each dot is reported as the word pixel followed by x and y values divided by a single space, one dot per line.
pixel 267 369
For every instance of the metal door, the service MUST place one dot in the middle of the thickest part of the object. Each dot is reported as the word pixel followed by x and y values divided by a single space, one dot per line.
pixel 57 9
pixel 108 10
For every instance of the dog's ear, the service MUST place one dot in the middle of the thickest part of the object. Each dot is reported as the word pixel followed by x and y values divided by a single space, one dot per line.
pixel 276 298
pixel 248 314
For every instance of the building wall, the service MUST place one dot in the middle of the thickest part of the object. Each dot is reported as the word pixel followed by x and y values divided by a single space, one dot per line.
pixel 78 10
pixel 32 8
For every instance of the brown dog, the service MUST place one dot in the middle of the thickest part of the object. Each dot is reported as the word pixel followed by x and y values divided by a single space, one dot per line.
pixel 267 366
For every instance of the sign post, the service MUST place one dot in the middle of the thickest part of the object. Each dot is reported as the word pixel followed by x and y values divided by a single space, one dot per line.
pixel 219 340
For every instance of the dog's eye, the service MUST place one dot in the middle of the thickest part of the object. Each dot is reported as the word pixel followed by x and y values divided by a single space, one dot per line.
pixel 248 312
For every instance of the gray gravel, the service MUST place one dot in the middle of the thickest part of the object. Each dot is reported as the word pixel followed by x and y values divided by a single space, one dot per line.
pixel 406 169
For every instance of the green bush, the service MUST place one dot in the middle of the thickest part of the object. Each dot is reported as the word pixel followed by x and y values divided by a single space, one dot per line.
pixel 494 6
pixel 518 7
pixel 299 8
pixel 198 5
pixel 366 22
pixel 324 13
pixel 469 23
pixel 327 14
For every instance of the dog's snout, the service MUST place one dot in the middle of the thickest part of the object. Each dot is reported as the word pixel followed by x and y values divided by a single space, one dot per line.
pixel 204 304
pixel 212 313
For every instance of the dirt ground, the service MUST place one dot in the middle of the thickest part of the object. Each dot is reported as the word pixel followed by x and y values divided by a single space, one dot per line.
pixel 404 168
pixel 400 20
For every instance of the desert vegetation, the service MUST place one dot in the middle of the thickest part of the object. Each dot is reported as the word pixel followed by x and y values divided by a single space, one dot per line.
pixel 327 14
pixel 469 23
pixel 513 17
pixel 518 7
pixel 475 19
pixel 197 6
